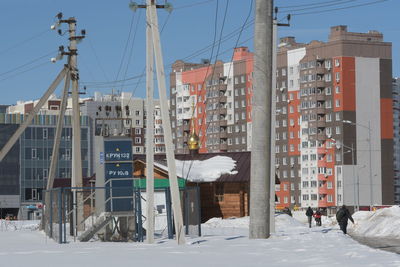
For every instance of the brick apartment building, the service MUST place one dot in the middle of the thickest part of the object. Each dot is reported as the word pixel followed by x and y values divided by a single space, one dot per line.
pixel 334 116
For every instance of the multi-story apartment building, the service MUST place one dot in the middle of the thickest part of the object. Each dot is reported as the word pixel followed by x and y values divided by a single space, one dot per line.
pixel 396 138
pixel 27 164
pixel 110 114
pixel 218 97
pixel 334 136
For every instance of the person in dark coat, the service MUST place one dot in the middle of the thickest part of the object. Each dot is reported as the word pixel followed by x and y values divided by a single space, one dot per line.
pixel 342 217
pixel 309 214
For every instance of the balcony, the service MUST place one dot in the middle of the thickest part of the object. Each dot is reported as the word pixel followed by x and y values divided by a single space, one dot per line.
pixel 223 123
pixel 223 135
pixel 320 83
pixel 320 97
pixel 323 190
pixel 320 70
pixel 320 110
pixel 186 127
pixel 222 87
pixel 322 203
pixel 223 99
pixel 321 123
pixel 223 147
pixel 322 177
pixel 222 111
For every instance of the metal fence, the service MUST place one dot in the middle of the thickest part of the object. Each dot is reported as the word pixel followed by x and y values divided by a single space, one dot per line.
pixel 114 212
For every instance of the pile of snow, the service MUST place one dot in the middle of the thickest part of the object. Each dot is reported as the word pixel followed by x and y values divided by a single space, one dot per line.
pixel 230 226
pixel 383 223
pixel 6 225
pixel 207 170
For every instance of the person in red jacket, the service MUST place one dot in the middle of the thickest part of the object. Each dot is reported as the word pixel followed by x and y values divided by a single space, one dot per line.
pixel 317 216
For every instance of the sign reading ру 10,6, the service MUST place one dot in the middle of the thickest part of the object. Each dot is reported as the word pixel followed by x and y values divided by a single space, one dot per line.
pixel 118 170
pixel 118 150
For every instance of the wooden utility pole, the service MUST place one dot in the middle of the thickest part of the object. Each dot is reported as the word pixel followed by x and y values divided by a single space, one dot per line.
pixel 261 126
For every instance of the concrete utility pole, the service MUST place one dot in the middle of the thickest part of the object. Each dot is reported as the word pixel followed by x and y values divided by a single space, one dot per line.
pixel 261 116
pixel 76 180
pixel 150 130
pixel 57 137
pixel 152 22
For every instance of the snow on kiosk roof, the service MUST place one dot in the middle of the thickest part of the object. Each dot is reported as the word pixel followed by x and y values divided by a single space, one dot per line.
pixel 209 167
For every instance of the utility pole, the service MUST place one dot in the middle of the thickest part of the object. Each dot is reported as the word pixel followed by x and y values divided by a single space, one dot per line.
pixel 152 22
pixel 260 181
pixel 150 131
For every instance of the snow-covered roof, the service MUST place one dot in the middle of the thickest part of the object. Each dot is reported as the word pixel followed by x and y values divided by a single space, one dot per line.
pixel 208 170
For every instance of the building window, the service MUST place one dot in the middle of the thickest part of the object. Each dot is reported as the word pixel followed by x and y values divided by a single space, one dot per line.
pixel 337 116
pixel 329 185
pixel 45 133
pixel 138 140
pixel 137 122
pixel 338 130
pixel 330 198
pixel 285 200
pixel 338 157
pixel 138 149
pixel 337 89
pixel 305 197
pixel 337 62
pixel 34 153
pixel 337 103
pixel 314 197
pixel 219 192
pixel 328 91
pixel 138 130
pixel 337 76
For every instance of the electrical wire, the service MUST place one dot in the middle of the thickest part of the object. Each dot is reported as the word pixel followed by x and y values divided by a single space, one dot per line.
pixel 24 41
pixel 28 63
pixel 21 72
pixel 212 76
pixel 97 59
pixel 339 8
pixel 126 46
pixel 194 4
pixel 194 54
pixel 337 3
pixel 131 50
pixel 313 4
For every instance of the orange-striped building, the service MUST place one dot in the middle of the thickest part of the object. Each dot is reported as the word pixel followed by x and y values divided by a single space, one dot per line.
pixel 334 118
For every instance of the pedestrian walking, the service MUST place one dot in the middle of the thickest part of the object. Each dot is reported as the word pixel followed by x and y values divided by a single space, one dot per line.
pixel 317 217
pixel 309 214
pixel 342 217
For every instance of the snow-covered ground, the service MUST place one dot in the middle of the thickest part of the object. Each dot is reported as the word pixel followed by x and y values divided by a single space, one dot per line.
pixel 224 243
pixel 382 223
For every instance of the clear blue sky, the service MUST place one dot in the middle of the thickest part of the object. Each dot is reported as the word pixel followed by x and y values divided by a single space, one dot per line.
pixel 26 37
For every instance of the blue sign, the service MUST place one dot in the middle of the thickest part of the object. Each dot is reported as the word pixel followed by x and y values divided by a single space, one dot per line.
pixel 118 170
pixel 118 150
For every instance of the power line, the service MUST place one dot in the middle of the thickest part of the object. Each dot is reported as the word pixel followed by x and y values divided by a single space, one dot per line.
pixel 313 4
pixel 24 41
pixel 190 56
pixel 194 4
pixel 339 8
pixel 131 49
pixel 97 59
pixel 337 3
pixel 28 63
pixel 126 46
pixel 34 67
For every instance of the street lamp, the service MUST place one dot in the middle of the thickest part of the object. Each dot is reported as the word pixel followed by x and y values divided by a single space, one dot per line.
pixel 370 154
